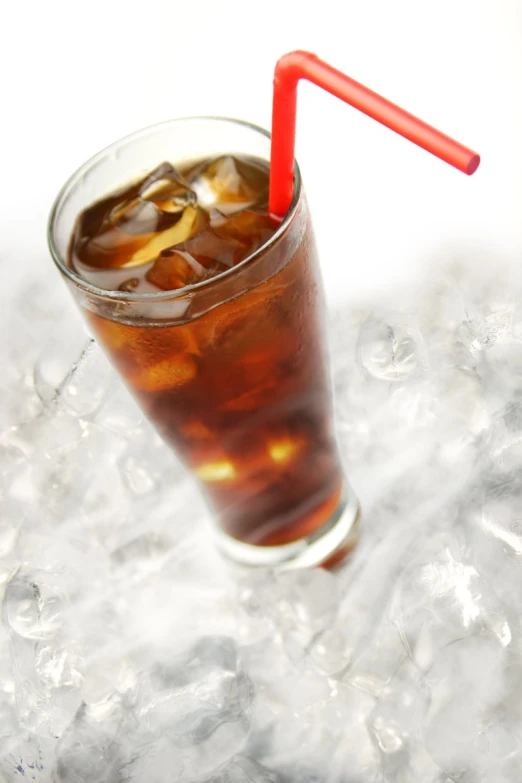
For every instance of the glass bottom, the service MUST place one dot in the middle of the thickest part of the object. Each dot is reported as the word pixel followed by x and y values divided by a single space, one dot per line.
pixel 326 547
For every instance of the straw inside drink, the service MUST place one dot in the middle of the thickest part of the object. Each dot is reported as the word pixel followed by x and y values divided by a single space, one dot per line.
pixel 304 65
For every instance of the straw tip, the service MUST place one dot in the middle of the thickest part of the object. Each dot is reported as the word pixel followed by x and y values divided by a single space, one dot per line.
pixel 473 165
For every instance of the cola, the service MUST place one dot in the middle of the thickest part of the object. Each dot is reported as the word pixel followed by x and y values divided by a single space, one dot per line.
pixel 241 391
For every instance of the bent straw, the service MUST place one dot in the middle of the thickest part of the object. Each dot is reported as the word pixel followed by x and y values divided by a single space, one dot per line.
pixel 304 65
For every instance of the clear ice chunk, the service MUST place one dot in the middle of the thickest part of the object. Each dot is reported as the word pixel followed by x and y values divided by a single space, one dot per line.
pixel 226 180
pixel 167 190
pixel 200 700
pixel 392 349
pixel 89 749
pixel 72 373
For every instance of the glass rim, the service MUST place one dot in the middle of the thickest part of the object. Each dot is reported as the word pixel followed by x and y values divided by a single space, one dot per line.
pixel 130 296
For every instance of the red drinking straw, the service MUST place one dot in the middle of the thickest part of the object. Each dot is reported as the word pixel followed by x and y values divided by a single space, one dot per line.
pixel 304 65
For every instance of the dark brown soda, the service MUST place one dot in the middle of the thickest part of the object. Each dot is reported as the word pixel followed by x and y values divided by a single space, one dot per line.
pixel 240 391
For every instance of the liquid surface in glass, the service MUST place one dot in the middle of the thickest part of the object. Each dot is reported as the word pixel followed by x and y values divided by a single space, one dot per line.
pixel 175 227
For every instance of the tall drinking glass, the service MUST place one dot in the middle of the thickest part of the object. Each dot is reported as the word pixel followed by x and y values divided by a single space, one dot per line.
pixel 231 371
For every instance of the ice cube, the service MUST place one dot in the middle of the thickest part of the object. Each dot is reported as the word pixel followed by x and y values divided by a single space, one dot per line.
pixel 119 413
pixel 235 327
pixel 375 664
pixel 156 761
pixel 58 357
pixel 201 700
pixel 178 268
pixel 301 608
pixel 107 511
pixel 132 228
pixel 89 749
pixel 113 248
pixel 147 552
pixel 167 189
pixel 148 454
pixel 306 599
pixel 201 256
pixel 62 475
pixel 253 229
pixel 109 249
pixel 392 349
pixel 153 359
pixel 253 364
pixel 441 601
pixel 230 181
pixel 487 323
pixel 47 665
pixel 319 742
pixel 33 606
pixel 210 249
pixel 473 729
pixel 175 269
pixel 87 384
pixel 49 689
pixel 136 217
pixel 395 725
pixel 73 373
pixel 505 437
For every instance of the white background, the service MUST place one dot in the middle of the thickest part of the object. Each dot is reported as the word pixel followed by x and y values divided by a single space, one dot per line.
pixel 76 76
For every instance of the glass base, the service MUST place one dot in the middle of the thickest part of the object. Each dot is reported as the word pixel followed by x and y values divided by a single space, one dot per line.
pixel 325 547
